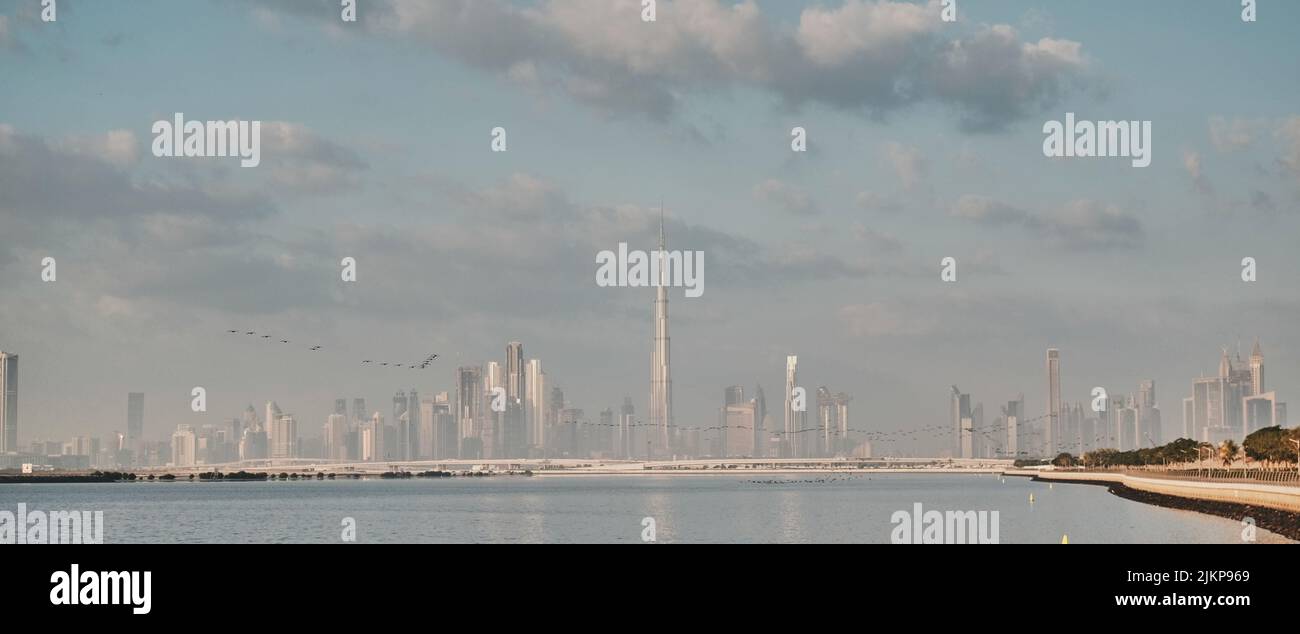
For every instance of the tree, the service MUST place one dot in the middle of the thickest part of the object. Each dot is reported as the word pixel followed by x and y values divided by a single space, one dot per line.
pixel 1063 460
pixel 1228 451
pixel 1270 444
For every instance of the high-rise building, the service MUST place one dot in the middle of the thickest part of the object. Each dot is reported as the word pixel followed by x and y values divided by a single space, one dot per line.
pixel 761 432
pixel 1260 411
pixel 535 404
pixel 514 438
pixel 961 411
pixel 739 420
pixel 273 415
pixel 284 440
pixel 1256 370
pixel 1218 402
pixel 335 433
pixel 790 437
pixel 183 446
pixel 8 402
pixel 827 425
pixel 661 384
pixel 134 420
pixel 359 413
pixel 371 439
pixel 1012 415
pixel 341 407
pixel 469 400
pixel 627 437
pixel 554 405
pixel 515 371
pixel 402 434
pixel 414 425
pixel 1052 424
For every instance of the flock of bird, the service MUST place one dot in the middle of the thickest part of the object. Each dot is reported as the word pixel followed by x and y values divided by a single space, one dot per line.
pixel 419 365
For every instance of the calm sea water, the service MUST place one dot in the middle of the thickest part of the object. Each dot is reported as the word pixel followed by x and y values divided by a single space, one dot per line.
pixel 712 509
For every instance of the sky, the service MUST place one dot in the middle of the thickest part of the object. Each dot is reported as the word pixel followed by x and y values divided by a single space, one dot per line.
pixel 924 142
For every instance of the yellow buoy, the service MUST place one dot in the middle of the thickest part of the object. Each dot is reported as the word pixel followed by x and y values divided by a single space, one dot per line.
pixel 1065 539
pixel 1031 498
pixel 1049 485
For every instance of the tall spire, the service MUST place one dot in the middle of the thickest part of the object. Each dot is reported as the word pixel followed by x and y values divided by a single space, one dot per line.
pixel 661 384
pixel 661 225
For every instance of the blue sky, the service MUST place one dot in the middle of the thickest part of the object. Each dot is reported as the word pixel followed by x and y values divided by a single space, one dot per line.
pixel 832 255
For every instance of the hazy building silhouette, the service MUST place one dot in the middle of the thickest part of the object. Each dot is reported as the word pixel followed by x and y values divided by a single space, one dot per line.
pixel 8 402
pixel 134 420
pixel 661 383
pixel 1052 426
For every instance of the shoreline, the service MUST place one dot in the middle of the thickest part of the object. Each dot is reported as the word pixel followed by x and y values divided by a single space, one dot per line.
pixel 1284 523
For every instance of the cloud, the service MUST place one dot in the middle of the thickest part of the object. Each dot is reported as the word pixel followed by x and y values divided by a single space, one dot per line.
pixel 303 162
pixel 789 198
pixel 876 240
pixel 1192 163
pixel 1083 225
pixel 86 178
pixel 1235 134
pixel 116 147
pixel 908 164
pixel 986 211
pixel 873 201
pixel 886 319
pixel 865 56
pixel 1289 133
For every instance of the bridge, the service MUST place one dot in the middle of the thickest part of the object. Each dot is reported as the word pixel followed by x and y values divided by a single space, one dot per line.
pixel 575 466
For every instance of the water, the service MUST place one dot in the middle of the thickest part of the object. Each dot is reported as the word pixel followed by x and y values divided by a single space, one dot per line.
pixel 686 508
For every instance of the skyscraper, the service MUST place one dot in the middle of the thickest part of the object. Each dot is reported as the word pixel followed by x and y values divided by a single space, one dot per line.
pixel 134 420
pixel 1013 414
pixel 515 436
pixel 469 390
pixel 1053 426
pixel 336 427
pixel 961 413
pixel 1256 370
pixel 790 437
pixel 284 442
pixel 534 403
pixel 272 420
pixel 414 425
pixel 8 402
pixel 626 430
pixel 661 384
pixel 183 446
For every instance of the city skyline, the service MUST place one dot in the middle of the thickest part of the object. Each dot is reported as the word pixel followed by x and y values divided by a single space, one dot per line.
pixel 1130 420
pixel 832 254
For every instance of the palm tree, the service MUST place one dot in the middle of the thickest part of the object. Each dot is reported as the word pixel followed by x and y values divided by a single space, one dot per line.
pixel 1228 451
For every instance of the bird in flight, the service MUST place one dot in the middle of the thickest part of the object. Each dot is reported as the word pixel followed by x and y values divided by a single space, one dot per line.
pixel 284 341
pixel 233 332
pixel 315 347
pixel 250 333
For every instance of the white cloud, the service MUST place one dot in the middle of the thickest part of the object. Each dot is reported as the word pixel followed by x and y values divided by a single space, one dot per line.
pixel 787 197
